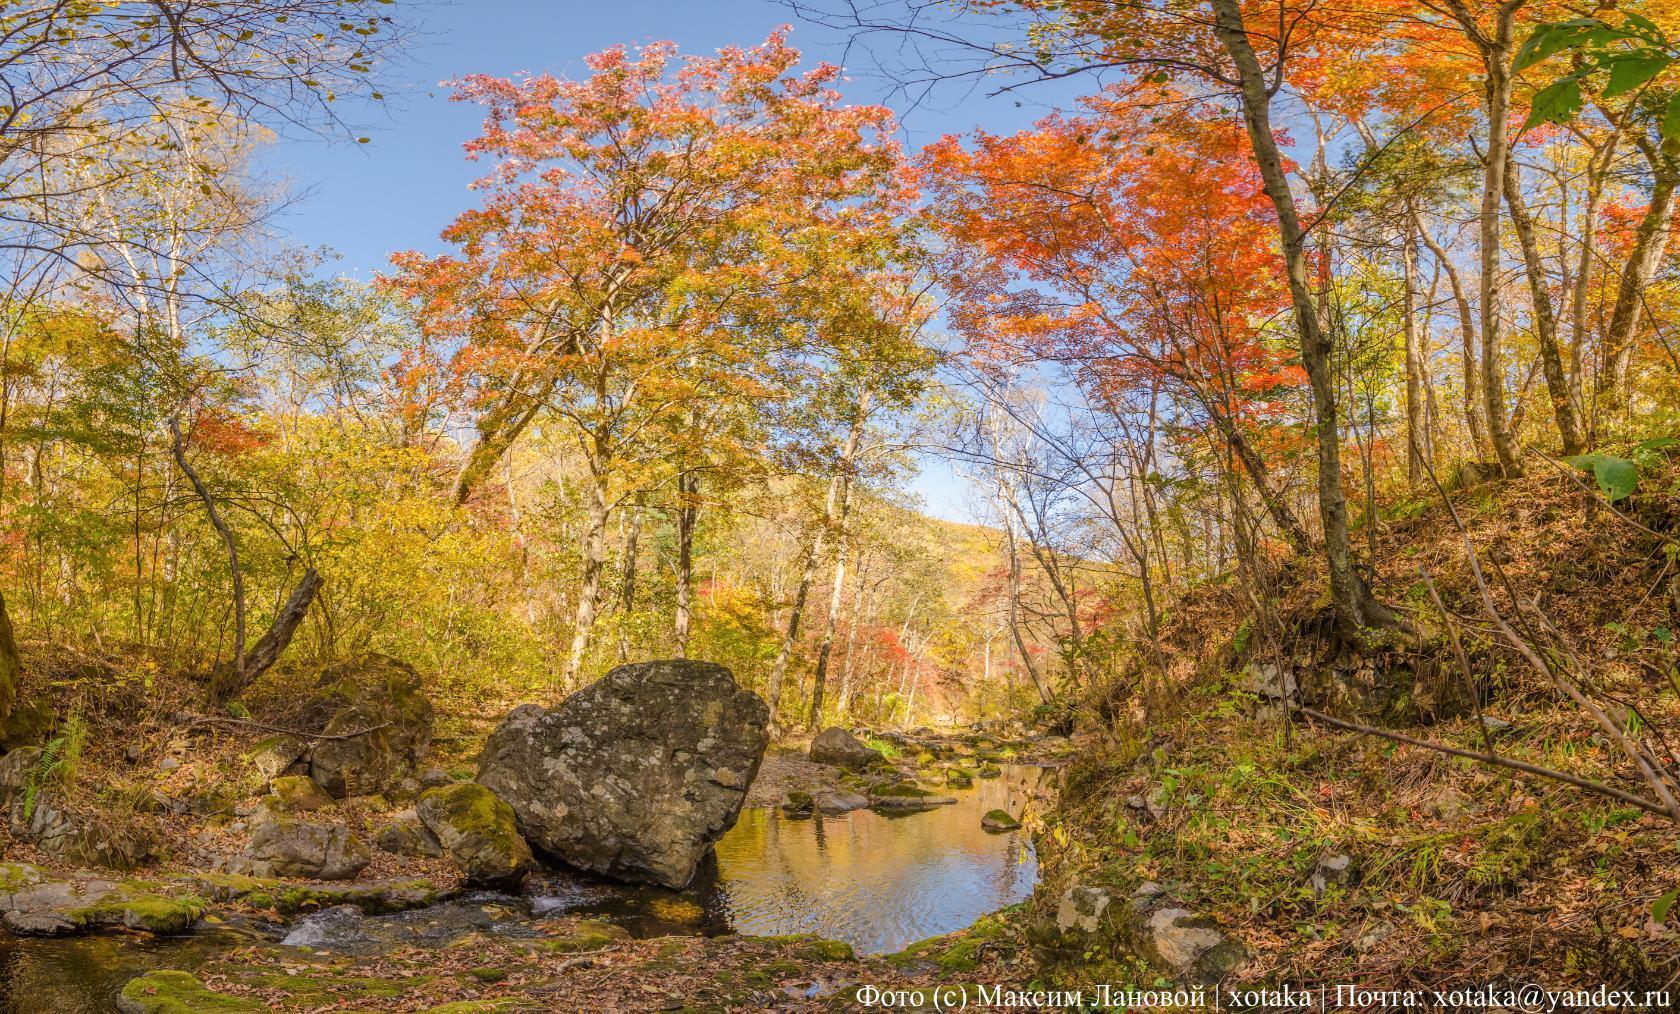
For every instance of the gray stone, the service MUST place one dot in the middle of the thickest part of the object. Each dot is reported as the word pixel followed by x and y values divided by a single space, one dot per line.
pixel 272 756
pixel 636 776
pixel 1152 926
pixel 1081 908
pixel 36 817
pixel 407 836
pixel 1269 681
pixel 840 748
pixel 285 846
pixel 1332 871
pixel 834 801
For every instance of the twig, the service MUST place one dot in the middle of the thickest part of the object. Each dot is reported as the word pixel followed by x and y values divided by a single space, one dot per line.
pixel 1494 759
pixel 1463 661
pixel 265 727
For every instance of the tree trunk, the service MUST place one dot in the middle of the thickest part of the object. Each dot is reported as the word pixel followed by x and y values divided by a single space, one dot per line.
pixel 1354 605
pixel 807 577
pixel 1467 331
pixel 589 584
pixel 1545 318
pixel 837 520
pixel 688 516
pixel 178 448
pixel 1649 244
pixel 1279 511
pixel 1044 693
pixel 627 584
pixel 1496 60
pixel 11 667
pixel 228 683
pixel 1417 435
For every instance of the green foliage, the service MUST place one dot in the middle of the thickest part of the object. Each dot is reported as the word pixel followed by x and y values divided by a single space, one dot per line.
pixel 1618 477
pixel 1628 56
pixel 58 761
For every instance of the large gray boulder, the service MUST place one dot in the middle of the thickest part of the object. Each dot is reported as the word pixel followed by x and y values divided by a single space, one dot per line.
pixel 838 747
pixel 636 776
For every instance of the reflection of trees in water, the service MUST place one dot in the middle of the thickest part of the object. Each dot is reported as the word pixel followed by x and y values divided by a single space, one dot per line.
pixel 876 881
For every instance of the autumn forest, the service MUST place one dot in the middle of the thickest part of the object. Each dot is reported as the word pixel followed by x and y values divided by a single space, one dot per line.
pixel 1302 586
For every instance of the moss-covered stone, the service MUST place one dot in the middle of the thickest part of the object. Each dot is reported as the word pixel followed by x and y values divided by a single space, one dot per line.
pixel 169 992
pixel 999 821
pixel 587 935
pixel 904 796
pixel 959 778
pixel 17 876
pixel 296 794
pixel 477 830
pixel 990 771
pixel 798 804
pixel 142 906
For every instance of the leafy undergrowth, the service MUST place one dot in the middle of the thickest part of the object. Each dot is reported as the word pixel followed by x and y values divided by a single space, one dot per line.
pixel 1460 871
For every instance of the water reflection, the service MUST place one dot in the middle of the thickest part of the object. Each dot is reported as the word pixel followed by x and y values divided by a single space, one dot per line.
pixel 876 882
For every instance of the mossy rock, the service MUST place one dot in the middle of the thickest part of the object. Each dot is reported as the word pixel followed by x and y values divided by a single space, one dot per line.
pixel 906 797
pixel 273 755
pixel 477 830
pixel 587 935
pixel 169 992
pixel 959 778
pixel 297 794
pixel 15 877
pixel 999 821
pixel 29 724
pixel 926 758
pixel 798 804
pixel 140 906
pixel 990 771
pixel 384 697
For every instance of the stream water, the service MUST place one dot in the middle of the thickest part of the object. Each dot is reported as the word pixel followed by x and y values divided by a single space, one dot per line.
pixel 876 882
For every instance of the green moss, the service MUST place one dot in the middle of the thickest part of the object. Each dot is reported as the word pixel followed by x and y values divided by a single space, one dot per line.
pixel 487 974
pixel 17 876
pixel 830 950
pixel 990 771
pixel 138 905
pixel 297 794
pixel 588 935
pixel 476 1006
pixel 797 802
pixel 476 812
pixel 903 790
pixel 318 990
pixel 179 993
pixel 999 820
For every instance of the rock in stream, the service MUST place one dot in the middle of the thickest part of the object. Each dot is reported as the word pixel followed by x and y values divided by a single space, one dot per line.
pixel 635 776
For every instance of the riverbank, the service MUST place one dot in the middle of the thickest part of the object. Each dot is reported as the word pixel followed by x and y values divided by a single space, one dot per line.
pixel 1297 852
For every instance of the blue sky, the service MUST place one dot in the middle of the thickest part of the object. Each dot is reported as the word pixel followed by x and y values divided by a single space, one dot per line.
pixel 365 201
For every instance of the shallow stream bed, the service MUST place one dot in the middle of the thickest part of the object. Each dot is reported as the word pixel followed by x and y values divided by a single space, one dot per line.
pixel 876 882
